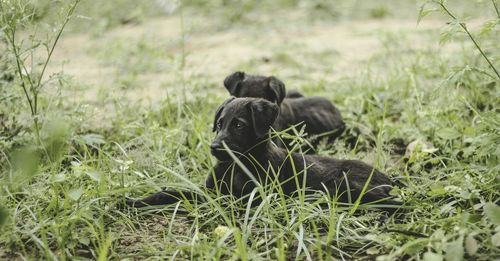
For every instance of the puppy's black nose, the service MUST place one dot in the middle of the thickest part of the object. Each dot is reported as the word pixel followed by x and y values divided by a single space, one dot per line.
pixel 215 146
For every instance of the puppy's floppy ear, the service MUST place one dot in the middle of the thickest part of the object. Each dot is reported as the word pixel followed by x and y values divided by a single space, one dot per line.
pixel 264 114
pixel 278 89
pixel 232 82
pixel 219 111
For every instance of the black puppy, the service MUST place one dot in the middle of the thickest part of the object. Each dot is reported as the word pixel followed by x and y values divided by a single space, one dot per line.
pixel 243 125
pixel 318 114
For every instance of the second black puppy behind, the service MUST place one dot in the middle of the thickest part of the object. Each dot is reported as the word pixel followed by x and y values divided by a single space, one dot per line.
pixel 243 124
pixel 319 115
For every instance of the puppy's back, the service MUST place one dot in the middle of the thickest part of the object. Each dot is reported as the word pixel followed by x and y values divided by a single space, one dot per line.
pixel 318 113
pixel 342 177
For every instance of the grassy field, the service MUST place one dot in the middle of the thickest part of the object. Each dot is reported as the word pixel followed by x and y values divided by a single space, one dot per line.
pixel 125 104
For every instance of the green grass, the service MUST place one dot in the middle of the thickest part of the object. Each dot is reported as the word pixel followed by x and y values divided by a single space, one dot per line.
pixel 103 140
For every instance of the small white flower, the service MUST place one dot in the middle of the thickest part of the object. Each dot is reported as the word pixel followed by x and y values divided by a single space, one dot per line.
pixel 220 231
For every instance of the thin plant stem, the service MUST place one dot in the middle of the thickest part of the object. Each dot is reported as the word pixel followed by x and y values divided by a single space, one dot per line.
pixel 12 39
pixel 20 65
pixel 464 27
pixel 496 8
pixel 183 46
pixel 32 94
pixel 59 33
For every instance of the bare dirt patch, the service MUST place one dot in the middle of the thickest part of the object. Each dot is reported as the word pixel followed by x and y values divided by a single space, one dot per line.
pixel 210 55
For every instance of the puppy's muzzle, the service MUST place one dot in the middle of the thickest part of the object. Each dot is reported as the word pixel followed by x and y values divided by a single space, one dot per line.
pixel 216 148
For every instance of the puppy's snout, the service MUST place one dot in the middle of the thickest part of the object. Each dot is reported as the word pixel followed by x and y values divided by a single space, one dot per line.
pixel 215 146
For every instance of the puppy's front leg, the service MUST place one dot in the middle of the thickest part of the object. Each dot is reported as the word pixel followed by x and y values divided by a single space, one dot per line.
pixel 165 197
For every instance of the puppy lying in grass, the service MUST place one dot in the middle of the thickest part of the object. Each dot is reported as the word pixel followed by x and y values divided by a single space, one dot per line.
pixel 248 159
pixel 321 118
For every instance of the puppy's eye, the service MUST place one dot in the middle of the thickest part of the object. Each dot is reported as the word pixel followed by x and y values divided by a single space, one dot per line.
pixel 219 125
pixel 239 125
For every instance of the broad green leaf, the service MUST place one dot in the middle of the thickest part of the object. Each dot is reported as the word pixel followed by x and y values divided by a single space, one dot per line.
pixel 59 177
pixel 25 163
pixel 436 190
pixel 448 133
pixel 55 136
pixel 471 245
pixel 492 211
pixel 414 247
pixel 430 256
pixel 455 250
pixel 495 239
pixel 94 175
pixel 3 215
pixel 84 240
pixel 75 194
pixel 372 251
pixel 93 139
pixel 76 163
pixel 470 131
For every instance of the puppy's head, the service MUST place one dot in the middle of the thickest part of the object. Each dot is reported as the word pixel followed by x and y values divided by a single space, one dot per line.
pixel 242 123
pixel 270 88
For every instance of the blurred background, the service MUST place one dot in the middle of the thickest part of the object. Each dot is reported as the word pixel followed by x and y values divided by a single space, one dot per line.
pixel 148 50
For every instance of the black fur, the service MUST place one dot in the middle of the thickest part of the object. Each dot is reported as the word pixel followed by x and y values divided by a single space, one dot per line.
pixel 318 114
pixel 293 94
pixel 243 125
pixel 165 197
